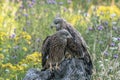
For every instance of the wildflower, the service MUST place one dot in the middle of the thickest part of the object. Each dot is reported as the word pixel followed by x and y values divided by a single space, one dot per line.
pixel 2 34
pixel 23 33
pixel 38 40
pixel 16 38
pixel 24 48
pixel 14 57
pixel 112 44
pixel 8 46
pixel 1 49
pixel 15 47
pixel 24 65
pixel 13 68
pixel 20 67
pixel 34 57
pixel 106 53
pixel 114 28
pixel 100 27
pixel 29 58
pixel 118 38
pixel 26 15
pixel 113 15
pixel 1 56
pixel 7 65
pixel 21 6
pixel 13 35
pixel 115 39
pixel 28 42
pixel 5 50
pixel 28 37
pixel 90 28
pixel 51 2
pixel 65 9
pixel 115 56
pixel 61 3
pixel 33 1
pixel 69 1
pixel 30 5
pixel 119 47
pixel 114 23
pixel 106 22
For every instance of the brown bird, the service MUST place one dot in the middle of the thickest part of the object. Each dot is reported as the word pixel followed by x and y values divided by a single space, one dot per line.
pixel 76 46
pixel 53 49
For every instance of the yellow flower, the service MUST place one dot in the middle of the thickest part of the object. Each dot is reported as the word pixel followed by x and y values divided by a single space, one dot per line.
pixel 16 38
pixel 23 33
pixel 1 56
pixel 7 65
pixel 109 12
pixel 24 48
pixel 2 36
pixel 35 57
pixel 29 58
pixel 13 68
pixel 28 37
pixel 28 42
pixel 8 46
pixel 1 19
pixel 0 49
pixel 20 67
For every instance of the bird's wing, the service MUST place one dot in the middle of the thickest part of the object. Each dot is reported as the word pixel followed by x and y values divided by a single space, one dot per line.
pixel 45 50
pixel 78 45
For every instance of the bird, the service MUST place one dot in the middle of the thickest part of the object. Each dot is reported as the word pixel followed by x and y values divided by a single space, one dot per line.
pixel 53 49
pixel 76 46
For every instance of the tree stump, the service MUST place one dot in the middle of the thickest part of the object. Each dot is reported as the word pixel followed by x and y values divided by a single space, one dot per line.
pixel 70 69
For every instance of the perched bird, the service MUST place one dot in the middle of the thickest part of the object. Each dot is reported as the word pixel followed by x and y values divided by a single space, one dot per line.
pixel 53 49
pixel 76 46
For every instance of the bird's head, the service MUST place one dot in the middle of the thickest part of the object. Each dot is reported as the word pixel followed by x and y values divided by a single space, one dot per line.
pixel 58 23
pixel 64 34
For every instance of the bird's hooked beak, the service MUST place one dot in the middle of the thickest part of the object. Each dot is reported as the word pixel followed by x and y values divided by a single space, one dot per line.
pixel 56 26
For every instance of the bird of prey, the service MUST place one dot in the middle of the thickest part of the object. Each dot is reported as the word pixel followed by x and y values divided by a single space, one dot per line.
pixel 76 46
pixel 53 49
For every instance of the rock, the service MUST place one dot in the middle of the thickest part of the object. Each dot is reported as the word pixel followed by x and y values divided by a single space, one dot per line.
pixel 72 69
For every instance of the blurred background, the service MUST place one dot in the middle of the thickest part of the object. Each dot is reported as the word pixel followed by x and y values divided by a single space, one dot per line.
pixel 24 24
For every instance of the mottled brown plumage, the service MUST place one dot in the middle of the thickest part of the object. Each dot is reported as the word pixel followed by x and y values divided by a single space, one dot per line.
pixel 76 46
pixel 53 48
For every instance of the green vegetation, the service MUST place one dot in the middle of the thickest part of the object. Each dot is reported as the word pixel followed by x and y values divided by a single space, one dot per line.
pixel 25 24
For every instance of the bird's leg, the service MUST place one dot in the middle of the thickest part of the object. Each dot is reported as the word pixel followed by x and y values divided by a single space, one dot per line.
pixel 69 56
pixel 51 67
pixel 57 66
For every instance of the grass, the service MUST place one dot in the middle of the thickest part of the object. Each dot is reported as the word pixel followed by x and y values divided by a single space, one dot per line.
pixel 24 26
